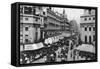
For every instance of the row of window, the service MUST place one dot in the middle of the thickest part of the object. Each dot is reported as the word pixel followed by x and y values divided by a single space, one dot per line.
pixel 26 38
pixel 26 28
pixel 90 40
pixel 26 41
pixel 26 19
pixel 89 28
pixel 89 18
pixel 28 10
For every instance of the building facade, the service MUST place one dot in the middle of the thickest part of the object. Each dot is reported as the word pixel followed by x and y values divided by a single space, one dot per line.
pixel 38 23
pixel 56 23
pixel 87 26
pixel 31 22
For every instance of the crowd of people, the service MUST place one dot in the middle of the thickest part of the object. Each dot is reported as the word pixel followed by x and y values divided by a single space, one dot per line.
pixel 85 52
pixel 55 52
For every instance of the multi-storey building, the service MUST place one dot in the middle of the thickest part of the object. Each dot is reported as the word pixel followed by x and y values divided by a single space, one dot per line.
pixel 56 23
pixel 38 23
pixel 87 26
pixel 31 22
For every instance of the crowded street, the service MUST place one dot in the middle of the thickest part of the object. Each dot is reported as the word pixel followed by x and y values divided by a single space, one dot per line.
pixel 47 35
pixel 55 52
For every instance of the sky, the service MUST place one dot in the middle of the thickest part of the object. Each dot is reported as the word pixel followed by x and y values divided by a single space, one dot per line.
pixel 72 13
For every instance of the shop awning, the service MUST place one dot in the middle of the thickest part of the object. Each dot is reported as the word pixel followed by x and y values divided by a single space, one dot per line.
pixel 86 47
pixel 34 46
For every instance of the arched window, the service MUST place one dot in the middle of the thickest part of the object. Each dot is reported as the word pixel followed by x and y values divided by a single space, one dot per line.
pixel 93 37
pixel 85 39
pixel 93 28
pixel 89 28
pixel 93 18
pixel 89 39
pixel 85 19
pixel 85 28
pixel 89 18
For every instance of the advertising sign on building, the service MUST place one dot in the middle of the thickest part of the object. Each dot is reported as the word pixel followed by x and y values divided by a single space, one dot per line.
pixel 34 46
